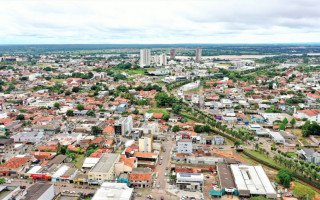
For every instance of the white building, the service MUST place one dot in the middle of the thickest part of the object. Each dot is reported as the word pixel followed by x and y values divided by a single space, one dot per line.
pixel 184 146
pixel 162 60
pixel 124 125
pixel 190 86
pixel 114 191
pixel 312 115
pixel 252 180
pixel 145 57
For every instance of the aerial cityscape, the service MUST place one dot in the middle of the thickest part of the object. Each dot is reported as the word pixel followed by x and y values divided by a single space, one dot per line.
pixel 163 100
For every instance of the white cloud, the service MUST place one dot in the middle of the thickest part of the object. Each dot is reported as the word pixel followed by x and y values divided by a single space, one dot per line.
pixel 159 21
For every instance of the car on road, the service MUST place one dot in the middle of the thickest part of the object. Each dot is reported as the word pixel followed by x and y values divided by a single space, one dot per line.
pixel 220 147
pixel 138 195
pixel 192 198
pixel 164 150
pixel 72 192
pixel 165 174
pixel 162 198
pixel 66 191
pixel 167 168
pixel 160 163
pixel 158 186
pixel 149 196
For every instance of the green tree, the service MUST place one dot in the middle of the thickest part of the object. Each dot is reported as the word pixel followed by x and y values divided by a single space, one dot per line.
pixel 80 107
pixel 56 105
pixel 176 108
pixel 166 117
pixel 237 143
pixel 69 113
pixel 282 126
pixel 285 177
pixel 91 113
pixel 198 128
pixel 293 122
pixel 285 121
pixel 176 128
pixel 2 180
pixel 20 117
pixel 95 130
pixel 75 89
pixel 67 93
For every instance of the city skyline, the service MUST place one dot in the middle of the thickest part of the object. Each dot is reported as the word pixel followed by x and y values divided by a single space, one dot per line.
pixel 125 22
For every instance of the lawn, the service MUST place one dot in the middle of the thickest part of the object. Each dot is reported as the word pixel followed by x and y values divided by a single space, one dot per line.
pixel 157 111
pixel 58 80
pixel 78 161
pixel 42 65
pixel 262 157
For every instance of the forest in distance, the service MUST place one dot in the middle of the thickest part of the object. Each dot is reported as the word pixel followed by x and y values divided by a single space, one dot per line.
pixel 182 49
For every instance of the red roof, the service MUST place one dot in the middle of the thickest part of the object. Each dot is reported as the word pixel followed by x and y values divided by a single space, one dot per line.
pixel 157 115
pixel 15 162
pixel 139 177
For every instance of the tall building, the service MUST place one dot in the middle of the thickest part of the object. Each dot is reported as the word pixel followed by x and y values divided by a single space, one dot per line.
pixel 198 55
pixel 145 57
pixel 172 54
pixel 163 59
pixel 124 126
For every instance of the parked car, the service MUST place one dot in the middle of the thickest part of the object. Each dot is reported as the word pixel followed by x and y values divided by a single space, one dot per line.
pixel 66 191
pixel 162 198
pixel 158 186
pixel 149 196
pixel 138 195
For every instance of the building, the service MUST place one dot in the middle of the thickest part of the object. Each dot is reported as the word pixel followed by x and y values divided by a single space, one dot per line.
pixel 145 57
pixel 312 115
pixel 15 165
pixel 114 191
pixel 184 146
pixel 104 169
pixel 163 60
pixel 146 159
pixel 226 180
pixel 198 55
pixel 172 54
pixel 145 144
pixel 6 148
pixel 124 126
pixel 190 181
pixel 35 137
pixel 40 191
pixel 252 181
pixel 141 180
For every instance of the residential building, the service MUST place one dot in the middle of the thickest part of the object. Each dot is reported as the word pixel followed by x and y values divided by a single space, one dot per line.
pixel 312 115
pixel 104 169
pixel 142 180
pixel 145 144
pixel 163 60
pixel 184 146
pixel 6 148
pixel 198 55
pixel 15 165
pixel 35 137
pixel 124 126
pixel 145 57
pixel 172 54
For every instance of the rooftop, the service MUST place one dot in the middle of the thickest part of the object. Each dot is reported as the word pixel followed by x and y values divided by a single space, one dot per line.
pixel 105 162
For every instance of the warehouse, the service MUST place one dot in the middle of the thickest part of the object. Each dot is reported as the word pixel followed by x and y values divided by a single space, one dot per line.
pixel 252 181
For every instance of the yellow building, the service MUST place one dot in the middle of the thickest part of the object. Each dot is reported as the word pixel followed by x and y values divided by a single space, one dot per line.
pixel 145 144
pixel 104 169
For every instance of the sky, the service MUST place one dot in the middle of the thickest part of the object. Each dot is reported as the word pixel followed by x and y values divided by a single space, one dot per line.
pixel 158 21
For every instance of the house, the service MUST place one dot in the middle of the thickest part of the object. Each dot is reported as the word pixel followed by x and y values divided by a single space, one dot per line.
pixel 142 180
pixel 277 137
pixel 15 165
pixel 35 137
pixel 6 148
pixel 311 115
pixel 104 169
pixel 113 191
pixel 146 159
pixel 190 181
pixel 306 154
pixel 184 146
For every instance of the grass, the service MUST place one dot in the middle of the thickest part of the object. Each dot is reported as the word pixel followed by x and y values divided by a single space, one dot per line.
pixel 157 111
pixel 291 154
pixel 131 78
pixel 78 160
pixel 58 80
pixel 41 65
pixel 262 157
pixel 130 71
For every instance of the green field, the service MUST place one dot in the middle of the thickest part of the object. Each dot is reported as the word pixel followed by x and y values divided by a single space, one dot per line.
pixel 262 157
pixel 58 80
pixel 157 111
pixel 78 160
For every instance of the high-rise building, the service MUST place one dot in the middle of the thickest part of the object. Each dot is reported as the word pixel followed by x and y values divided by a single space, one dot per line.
pixel 163 59
pixel 145 57
pixel 172 54
pixel 198 55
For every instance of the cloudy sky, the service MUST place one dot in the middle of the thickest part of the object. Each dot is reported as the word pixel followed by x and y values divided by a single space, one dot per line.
pixel 159 21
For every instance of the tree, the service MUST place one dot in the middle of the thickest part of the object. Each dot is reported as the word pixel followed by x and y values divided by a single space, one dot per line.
pixel 2 180
pixel 166 117
pixel 75 89
pixel 198 128
pixel 176 108
pixel 303 191
pixel 56 105
pixel 136 112
pixel 293 122
pixel 69 113
pixel 95 130
pixel 285 177
pixel 176 128
pixel 91 113
pixel 67 93
pixel 236 143
pixel 282 126
pixel 80 107
pixel 285 121
pixel 206 128
pixel 20 117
